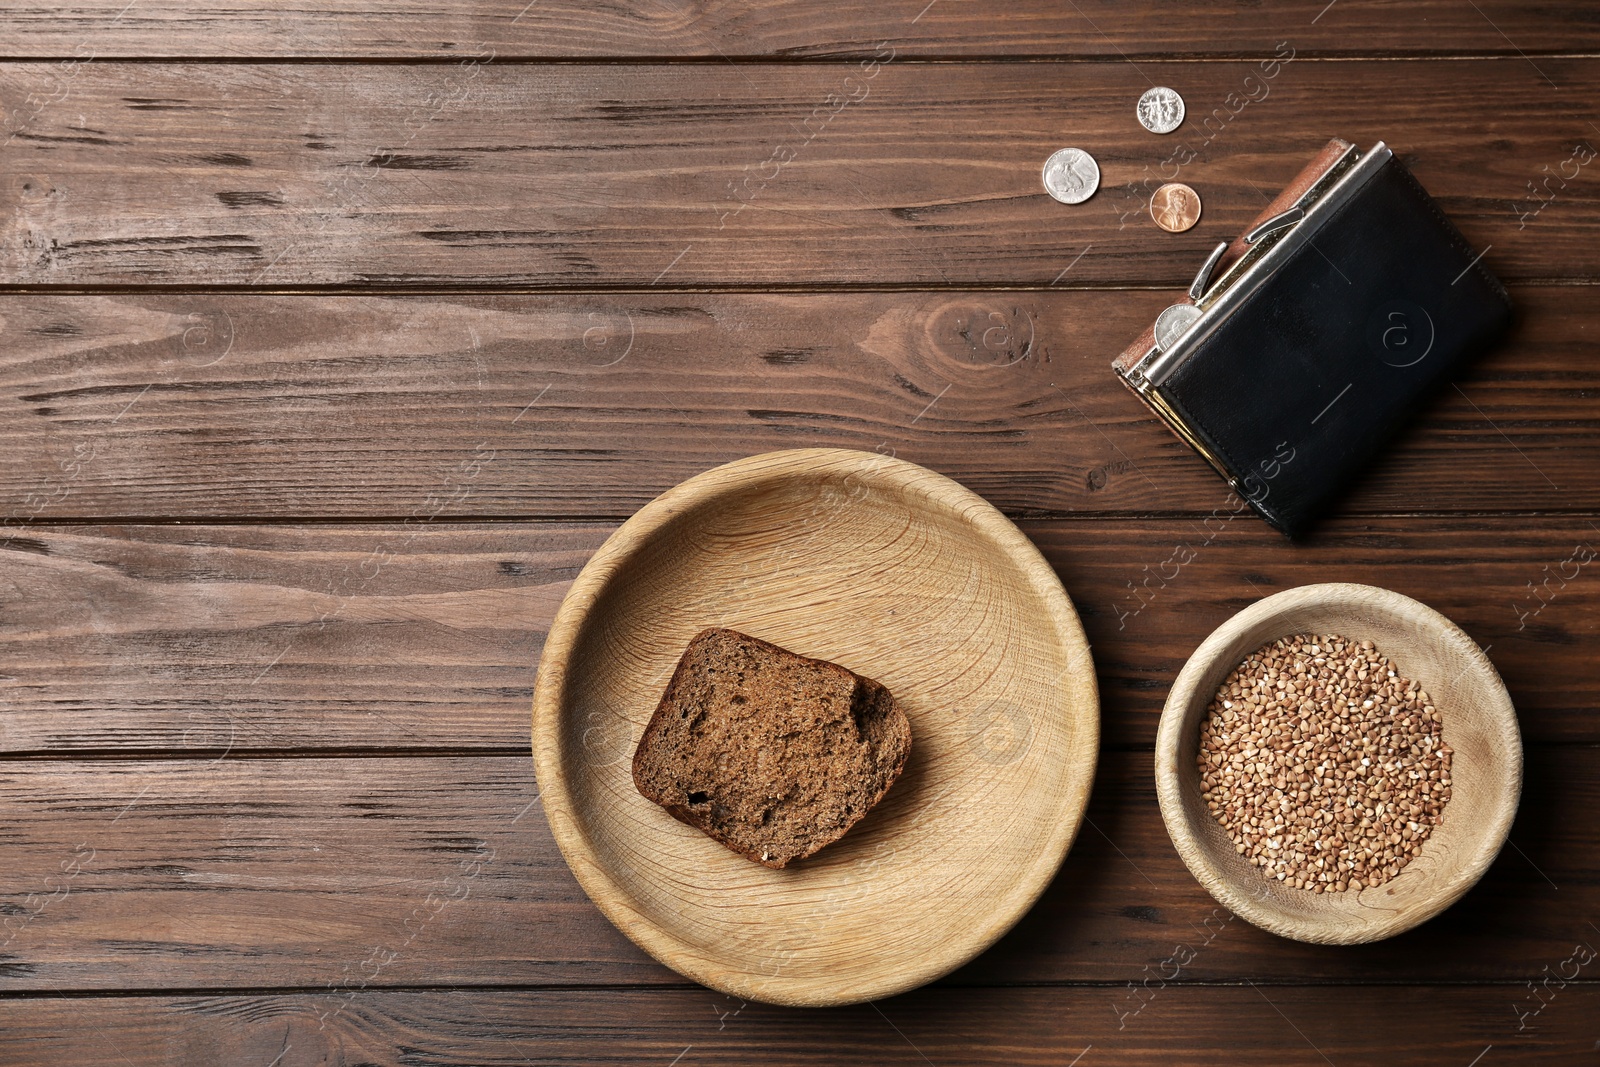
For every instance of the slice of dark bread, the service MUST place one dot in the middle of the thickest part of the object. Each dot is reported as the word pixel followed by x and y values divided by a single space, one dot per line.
pixel 771 753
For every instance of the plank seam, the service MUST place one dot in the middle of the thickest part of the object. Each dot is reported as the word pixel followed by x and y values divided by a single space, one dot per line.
pixel 637 289
pixel 820 59
pixel 650 988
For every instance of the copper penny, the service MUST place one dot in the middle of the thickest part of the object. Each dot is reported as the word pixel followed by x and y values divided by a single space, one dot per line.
pixel 1175 207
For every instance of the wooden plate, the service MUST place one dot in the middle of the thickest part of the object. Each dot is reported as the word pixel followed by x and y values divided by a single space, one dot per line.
pixel 897 573
pixel 1480 724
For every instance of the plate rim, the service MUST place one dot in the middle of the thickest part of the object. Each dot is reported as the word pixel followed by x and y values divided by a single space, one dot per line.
pixel 631 537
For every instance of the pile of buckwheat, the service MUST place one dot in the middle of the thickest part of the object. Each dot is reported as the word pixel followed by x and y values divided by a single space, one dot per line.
pixel 1324 765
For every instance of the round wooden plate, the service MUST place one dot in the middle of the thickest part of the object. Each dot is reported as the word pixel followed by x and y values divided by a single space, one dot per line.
pixel 899 574
pixel 1480 724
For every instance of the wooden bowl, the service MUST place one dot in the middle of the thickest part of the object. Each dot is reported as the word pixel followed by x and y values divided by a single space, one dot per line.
pixel 1479 724
pixel 897 573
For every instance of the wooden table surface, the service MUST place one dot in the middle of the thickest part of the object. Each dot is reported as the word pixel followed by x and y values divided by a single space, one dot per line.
pixel 335 339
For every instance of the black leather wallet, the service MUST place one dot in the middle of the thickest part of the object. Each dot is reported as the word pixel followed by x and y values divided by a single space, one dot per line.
pixel 1304 344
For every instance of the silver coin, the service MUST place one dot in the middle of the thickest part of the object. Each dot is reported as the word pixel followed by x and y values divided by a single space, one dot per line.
pixel 1171 324
pixel 1071 175
pixel 1160 110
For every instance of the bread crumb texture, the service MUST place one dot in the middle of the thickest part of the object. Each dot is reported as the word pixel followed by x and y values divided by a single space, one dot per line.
pixel 773 754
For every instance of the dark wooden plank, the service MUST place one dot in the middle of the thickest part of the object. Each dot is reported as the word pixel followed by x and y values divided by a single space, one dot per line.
pixel 238 639
pixel 1206 1027
pixel 243 639
pixel 790 28
pixel 744 175
pixel 196 874
pixel 252 873
pixel 239 405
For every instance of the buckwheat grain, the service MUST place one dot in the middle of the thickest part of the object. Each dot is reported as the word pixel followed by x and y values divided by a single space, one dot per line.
pixel 1326 766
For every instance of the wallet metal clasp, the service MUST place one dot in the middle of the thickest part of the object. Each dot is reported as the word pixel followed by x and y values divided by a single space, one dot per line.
pixel 1275 223
pixel 1197 288
pixel 1282 220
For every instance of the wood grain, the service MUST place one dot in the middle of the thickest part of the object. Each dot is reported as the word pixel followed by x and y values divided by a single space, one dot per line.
pixel 245 405
pixel 639 175
pixel 899 574
pixel 781 28
pixel 342 874
pixel 234 639
pixel 212 639
pixel 1267 1026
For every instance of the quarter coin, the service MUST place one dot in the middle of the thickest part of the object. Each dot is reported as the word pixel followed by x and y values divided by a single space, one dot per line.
pixel 1175 207
pixel 1071 175
pixel 1160 110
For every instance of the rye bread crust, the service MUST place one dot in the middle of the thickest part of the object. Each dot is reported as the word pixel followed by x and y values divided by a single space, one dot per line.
pixel 768 752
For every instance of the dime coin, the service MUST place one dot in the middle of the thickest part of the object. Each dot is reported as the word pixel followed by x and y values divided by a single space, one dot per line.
pixel 1160 110
pixel 1071 175
pixel 1175 207
pixel 1171 323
